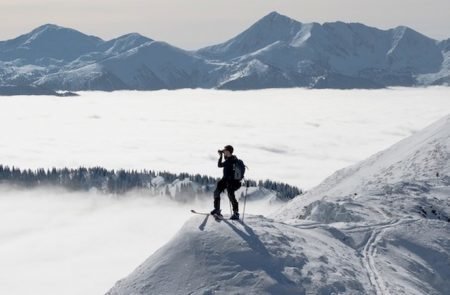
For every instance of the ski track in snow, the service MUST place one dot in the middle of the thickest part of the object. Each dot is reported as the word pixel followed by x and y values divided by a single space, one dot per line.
pixel 369 251
pixel 369 254
pixel 368 261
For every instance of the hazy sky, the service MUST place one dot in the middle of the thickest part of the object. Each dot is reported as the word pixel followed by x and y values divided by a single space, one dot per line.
pixel 196 23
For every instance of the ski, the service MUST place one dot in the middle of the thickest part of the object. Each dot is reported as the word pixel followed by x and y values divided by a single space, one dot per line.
pixel 217 217
pixel 201 213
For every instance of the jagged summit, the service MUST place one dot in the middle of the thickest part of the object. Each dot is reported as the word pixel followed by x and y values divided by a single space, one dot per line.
pixel 402 53
pixel 340 54
pixel 275 17
pixel 269 29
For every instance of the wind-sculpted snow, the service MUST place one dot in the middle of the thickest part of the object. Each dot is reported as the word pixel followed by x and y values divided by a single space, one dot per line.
pixel 258 257
pixel 328 212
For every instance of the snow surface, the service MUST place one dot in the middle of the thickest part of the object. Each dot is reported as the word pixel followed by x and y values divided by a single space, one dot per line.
pixel 355 235
pixel 258 257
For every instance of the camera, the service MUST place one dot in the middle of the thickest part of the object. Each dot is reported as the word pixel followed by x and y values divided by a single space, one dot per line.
pixel 220 151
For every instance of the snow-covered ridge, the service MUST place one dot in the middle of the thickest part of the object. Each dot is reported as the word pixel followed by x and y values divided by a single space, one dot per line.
pixel 421 159
pixel 378 227
pixel 291 54
pixel 258 257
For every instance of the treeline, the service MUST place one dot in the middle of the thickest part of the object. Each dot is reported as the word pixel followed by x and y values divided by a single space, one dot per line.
pixel 122 181
pixel 284 191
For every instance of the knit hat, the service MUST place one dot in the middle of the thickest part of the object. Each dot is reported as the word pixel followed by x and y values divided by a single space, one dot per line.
pixel 229 148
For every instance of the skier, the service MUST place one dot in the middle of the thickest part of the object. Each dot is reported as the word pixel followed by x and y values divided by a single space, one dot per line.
pixel 227 182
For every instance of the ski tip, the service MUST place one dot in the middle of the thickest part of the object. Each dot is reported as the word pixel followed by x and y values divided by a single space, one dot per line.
pixel 193 211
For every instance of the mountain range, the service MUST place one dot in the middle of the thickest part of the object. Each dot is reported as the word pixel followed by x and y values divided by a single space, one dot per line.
pixel 275 52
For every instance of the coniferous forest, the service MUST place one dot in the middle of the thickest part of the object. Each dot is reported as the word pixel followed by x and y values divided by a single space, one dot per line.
pixel 121 181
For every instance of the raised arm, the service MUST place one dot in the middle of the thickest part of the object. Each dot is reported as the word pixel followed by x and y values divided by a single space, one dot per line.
pixel 220 163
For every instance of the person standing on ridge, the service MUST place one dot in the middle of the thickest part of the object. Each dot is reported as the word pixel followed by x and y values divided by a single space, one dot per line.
pixel 229 181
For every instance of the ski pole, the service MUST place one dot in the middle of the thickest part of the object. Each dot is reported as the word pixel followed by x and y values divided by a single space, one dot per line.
pixel 245 200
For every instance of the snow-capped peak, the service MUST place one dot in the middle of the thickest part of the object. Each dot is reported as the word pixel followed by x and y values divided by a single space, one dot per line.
pixel 49 41
pixel 275 17
pixel 45 27
pixel 55 33
pixel 269 29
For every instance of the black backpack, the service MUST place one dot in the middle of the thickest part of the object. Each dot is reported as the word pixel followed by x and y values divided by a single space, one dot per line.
pixel 238 169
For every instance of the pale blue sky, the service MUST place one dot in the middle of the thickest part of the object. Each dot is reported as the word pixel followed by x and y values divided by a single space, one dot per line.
pixel 196 23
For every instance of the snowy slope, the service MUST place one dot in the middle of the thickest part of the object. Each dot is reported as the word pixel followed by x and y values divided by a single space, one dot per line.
pixel 149 66
pixel 401 196
pixel 123 43
pixel 260 257
pixel 107 49
pixel 414 160
pixel 442 77
pixel 92 77
pixel 157 65
pixel 378 227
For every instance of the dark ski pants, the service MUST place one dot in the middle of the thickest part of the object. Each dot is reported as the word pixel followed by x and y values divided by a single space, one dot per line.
pixel 231 186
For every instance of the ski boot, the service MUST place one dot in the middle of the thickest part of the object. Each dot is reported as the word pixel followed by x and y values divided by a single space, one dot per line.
pixel 216 212
pixel 235 216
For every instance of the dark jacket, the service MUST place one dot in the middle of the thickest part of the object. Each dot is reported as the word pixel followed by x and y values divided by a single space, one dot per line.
pixel 227 165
